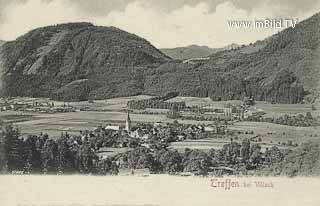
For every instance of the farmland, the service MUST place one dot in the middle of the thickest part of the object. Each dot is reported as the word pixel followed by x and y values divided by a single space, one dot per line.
pixel 113 111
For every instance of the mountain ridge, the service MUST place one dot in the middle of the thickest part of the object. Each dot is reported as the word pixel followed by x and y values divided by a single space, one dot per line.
pixel 78 61
pixel 194 51
pixel 283 68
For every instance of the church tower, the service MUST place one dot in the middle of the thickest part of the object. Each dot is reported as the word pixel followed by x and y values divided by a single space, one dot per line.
pixel 128 123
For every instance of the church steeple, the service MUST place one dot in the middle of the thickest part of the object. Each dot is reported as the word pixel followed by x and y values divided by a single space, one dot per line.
pixel 128 122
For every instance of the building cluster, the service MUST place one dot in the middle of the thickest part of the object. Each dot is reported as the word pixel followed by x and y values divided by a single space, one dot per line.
pixel 150 135
pixel 40 107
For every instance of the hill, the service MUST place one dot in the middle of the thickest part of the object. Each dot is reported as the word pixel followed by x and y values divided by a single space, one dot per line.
pixel 194 51
pixel 2 42
pixel 77 61
pixel 283 68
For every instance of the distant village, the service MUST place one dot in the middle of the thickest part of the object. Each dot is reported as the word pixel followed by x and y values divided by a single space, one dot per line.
pixel 35 106
pixel 173 110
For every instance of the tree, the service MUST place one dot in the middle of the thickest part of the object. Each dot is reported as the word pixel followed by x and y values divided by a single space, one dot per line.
pixel 3 159
pixel 133 143
pixel 33 159
pixel 65 157
pixel 273 156
pixel 173 113
pixel 87 158
pixel 213 154
pixel 108 166
pixel 140 158
pixel 309 116
pixel 255 155
pixel 169 160
pixel 49 155
pixel 196 161
pixel 249 101
pixel 305 160
pixel 231 152
pixel 245 150
pixel 13 148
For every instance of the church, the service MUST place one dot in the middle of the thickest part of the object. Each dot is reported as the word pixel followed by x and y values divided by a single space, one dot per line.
pixel 128 123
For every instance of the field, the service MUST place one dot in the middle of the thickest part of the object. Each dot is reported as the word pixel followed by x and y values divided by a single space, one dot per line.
pixel 270 109
pixel 290 109
pixel 203 144
pixel 204 102
pixel 207 144
pixel 115 113
pixel 275 133
pixel 73 122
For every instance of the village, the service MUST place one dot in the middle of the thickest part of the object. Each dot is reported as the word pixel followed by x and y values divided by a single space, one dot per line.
pixel 34 106
pixel 149 128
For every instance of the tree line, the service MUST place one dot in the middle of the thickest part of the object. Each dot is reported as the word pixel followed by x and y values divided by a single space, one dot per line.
pixel 299 120
pixel 42 155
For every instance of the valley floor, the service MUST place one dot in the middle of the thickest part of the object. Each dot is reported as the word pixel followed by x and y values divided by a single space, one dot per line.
pixel 113 111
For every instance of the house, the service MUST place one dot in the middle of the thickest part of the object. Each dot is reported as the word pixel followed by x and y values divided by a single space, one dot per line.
pixel 113 127
pixel 6 106
pixel 158 124
pixel 181 138
pixel 209 129
pixel 20 106
pixel 139 133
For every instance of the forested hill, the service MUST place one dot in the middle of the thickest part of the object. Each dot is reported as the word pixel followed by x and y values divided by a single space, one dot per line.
pixel 80 61
pixel 77 61
pixel 283 68
pixel 1 42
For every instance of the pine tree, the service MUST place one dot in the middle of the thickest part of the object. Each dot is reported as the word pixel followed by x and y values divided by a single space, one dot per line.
pixel 33 158
pixel 2 151
pixel 245 150
pixel 49 155
pixel 13 148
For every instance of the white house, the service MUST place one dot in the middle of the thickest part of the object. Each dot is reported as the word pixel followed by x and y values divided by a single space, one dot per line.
pixel 113 127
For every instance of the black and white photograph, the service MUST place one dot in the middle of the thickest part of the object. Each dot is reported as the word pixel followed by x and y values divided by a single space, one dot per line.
pixel 159 102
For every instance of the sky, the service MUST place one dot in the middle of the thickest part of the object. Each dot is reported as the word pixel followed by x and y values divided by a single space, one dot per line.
pixel 165 23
